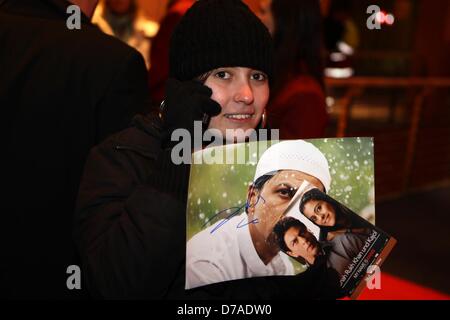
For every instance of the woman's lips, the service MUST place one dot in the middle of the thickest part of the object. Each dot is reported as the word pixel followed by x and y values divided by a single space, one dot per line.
pixel 239 117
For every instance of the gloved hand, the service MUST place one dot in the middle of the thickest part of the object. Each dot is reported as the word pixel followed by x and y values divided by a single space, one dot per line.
pixel 185 103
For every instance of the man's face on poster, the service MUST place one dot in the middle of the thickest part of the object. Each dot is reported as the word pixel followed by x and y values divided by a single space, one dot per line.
pixel 301 243
pixel 270 203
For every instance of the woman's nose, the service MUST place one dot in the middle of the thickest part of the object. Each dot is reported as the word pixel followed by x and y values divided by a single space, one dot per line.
pixel 244 93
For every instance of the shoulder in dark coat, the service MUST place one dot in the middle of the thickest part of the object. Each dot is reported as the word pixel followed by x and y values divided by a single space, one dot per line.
pixel 62 92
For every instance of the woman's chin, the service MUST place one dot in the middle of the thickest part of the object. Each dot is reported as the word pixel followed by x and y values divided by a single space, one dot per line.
pixel 239 134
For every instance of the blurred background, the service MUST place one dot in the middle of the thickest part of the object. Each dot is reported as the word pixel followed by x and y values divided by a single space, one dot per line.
pixel 387 76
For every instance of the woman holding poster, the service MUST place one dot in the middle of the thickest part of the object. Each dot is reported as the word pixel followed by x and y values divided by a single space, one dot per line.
pixel 130 220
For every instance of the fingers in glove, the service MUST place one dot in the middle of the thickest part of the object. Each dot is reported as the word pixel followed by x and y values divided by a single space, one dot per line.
pixel 210 107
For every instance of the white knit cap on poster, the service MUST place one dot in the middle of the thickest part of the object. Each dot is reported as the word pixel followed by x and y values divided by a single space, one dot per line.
pixel 296 155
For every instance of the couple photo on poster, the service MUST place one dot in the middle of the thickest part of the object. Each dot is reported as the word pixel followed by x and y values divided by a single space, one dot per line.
pixel 283 210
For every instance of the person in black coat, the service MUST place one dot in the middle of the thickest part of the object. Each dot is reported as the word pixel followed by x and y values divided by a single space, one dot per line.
pixel 61 92
pixel 130 224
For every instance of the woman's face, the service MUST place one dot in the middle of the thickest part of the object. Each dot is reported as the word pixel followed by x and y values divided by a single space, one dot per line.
pixel 301 243
pixel 243 94
pixel 320 212
pixel 266 16
pixel 269 204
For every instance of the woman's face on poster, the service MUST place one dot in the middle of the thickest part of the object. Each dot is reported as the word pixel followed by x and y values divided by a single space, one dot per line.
pixel 270 203
pixel 320 212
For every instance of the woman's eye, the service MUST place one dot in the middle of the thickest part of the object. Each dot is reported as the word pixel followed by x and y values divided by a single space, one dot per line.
pixel 223 75
pixel 259 77
pixel 313 218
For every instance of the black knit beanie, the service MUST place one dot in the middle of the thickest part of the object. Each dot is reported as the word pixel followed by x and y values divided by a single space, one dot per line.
pixel 219 33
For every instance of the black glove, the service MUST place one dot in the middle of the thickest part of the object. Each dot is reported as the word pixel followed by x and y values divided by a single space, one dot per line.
pixel 185 103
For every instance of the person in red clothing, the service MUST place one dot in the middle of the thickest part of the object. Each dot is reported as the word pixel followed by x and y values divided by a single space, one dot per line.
pixel 297 106
pixel 159 56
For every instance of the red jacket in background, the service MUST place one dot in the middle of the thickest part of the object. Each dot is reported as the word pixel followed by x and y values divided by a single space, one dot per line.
pixel 159 56
pixel 299 109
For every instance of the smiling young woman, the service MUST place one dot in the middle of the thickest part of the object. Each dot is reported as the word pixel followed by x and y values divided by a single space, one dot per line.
pixel 130 223
pixel 243 94
pixel 131 204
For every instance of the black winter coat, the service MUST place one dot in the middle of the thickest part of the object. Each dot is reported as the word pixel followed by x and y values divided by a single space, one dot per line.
pixel 61 93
